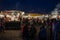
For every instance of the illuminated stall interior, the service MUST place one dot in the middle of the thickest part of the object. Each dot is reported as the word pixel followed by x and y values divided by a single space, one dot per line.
pixel 11 15
pixel 15 15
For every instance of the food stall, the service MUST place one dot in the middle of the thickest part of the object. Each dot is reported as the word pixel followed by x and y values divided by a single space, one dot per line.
pixel 11 18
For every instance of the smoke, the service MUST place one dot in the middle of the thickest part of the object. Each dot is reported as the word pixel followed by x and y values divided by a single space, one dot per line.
pixel 58 5
pixel 56 10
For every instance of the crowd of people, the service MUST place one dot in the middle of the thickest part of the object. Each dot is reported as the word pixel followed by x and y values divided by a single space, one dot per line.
pixel 33 29
pixel 39 29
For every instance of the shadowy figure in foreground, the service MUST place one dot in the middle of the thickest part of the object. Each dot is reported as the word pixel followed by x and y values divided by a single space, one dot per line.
pixel 42 33
pixel 29 32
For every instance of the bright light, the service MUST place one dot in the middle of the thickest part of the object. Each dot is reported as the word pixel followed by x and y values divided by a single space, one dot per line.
pixel 25 16
pixel 54 16
pixel 12 18
pixel 16 18
pixel 29 16
pixel 23 13
pixel 8 16
pixel 1 15
pixel 46 16
pixel 12 13
pixel 18 15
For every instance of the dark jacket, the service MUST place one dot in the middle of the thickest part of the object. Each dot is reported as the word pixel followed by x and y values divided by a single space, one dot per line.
pixel 29 34
pixel 42 34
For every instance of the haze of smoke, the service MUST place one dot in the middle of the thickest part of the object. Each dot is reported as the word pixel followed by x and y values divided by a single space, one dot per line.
pixel 56 10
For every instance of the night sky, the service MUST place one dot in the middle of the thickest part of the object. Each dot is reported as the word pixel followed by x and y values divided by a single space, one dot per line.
pixel 39 6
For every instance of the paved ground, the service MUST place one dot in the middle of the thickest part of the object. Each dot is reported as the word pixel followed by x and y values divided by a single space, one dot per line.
pixel 11 35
